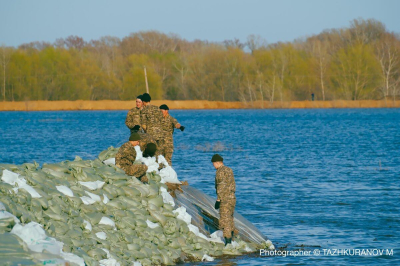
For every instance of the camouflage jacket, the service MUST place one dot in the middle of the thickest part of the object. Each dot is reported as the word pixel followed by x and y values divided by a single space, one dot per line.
pixel 225 184
pixel 151 121
pixel 126 156
pixel 168 125
pixel 133 118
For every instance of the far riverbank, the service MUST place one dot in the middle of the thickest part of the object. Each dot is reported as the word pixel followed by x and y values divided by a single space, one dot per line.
pixel 181 105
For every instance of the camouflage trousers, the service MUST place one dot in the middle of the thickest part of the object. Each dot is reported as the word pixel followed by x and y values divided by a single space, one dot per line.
pixel 167 149
pixel 137 170
pixel 226 210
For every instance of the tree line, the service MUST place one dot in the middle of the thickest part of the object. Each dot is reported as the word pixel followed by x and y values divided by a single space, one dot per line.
pixel 361 61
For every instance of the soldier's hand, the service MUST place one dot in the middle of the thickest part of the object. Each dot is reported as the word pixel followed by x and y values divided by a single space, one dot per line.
pixel 217 203
pixel 137 127
pixel 182 128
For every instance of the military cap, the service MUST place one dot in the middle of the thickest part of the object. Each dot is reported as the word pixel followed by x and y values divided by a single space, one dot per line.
pixel 134 137
pixel 217 158
pixel 146 97
pixel 164 107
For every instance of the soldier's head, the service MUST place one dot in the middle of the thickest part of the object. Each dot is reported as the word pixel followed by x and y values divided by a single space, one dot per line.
pixel 164 109
pixel 134 139
pixel 146 98
pixel 139 102
pixel 150 150
pixel 217 161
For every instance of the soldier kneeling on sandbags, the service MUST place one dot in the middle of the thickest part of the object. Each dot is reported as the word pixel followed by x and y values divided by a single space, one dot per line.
pixel 126 157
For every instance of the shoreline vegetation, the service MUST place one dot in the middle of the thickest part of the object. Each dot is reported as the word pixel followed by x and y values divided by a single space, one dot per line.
pixel 359 62
pixel 192 105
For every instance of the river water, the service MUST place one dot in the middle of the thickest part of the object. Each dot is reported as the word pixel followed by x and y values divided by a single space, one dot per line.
pixel 308 179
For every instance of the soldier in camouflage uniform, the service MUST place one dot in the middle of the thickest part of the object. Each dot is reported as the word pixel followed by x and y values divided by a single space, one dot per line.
pixel 168 124
pixel 132 120
pixel 226 199
pixel 126 156
pixel 151 120
pixel 146 139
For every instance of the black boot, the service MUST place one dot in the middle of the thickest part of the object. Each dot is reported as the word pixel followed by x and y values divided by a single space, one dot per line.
pixel 228 241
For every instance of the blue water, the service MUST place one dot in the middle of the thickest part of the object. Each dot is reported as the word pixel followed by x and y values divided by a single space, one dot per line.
pixel 308 179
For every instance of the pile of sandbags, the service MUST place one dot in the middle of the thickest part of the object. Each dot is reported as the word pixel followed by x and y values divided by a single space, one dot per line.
pixel 90 211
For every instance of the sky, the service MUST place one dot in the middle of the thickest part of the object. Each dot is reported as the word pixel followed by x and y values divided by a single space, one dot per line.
pixel 24 21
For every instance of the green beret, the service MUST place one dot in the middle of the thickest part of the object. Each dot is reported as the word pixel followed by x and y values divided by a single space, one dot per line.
pixel 134 137
pixel 217 158
pixel 146 97
pixel 164 107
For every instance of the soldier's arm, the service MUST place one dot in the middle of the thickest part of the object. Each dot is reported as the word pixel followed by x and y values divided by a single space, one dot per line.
pixel 129 121
pixel 175 122
pixel 143 119
pixel 222 185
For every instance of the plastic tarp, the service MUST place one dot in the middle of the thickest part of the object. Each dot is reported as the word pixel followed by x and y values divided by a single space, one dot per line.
pixel 201 209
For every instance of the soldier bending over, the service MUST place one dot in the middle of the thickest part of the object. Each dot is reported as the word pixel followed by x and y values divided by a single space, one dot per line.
pixel 126 156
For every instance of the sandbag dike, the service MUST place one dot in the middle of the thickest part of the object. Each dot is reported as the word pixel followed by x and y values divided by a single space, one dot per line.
pixel 84 212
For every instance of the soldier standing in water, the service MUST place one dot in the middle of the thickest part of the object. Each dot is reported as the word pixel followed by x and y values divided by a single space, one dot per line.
pixel 226 199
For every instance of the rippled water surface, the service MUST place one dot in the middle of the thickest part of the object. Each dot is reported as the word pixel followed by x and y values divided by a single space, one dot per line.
pixel 308 179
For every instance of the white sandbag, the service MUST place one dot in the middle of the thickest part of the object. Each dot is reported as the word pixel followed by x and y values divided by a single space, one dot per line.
pixel 269 244
pixel 30 190
pixel 151 224
pixel 207 258
pixel 195 230
pixel 105 199
pixel 14 179
pixel 139 153
pixel 107 221
pixel 72 258
pixel 101 235
pixel 88 226
pixel 35 238
pixel 151 164
pixel 217 236
pixel 65 190
pixel 5 214
pixel 167 198
pixel 93 196
pixel 161 160
pixel 168 175
pixel 110 161
pixel 183 215
pixel 110 261
pixel 92 185
pixel 9 177
pixel 87 200
pixel 136 263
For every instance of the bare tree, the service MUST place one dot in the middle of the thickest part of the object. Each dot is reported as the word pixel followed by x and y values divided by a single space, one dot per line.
pixel 388 55
pixel 5 57
pixel 320 53
pixel 235 43
pixel 255 42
